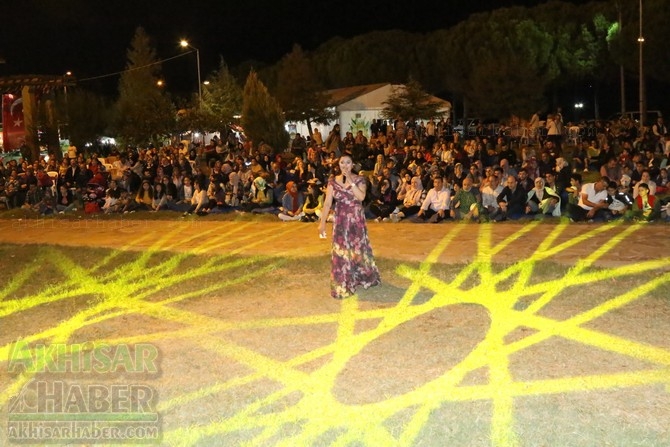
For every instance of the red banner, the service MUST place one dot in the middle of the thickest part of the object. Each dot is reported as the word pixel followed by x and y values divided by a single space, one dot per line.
pixel 13 125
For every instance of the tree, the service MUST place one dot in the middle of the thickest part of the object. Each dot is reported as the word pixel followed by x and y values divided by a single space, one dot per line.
pixel 262 118
pixel 378 56
pixel 143 112
pixel 514 68
pixel 500 63
pixel 88 116
pixel 656 32
pixel 299 92
pixel 221 102
pixel 410 101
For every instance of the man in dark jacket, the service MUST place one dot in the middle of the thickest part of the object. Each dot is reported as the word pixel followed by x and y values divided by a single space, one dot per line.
pixel 512 200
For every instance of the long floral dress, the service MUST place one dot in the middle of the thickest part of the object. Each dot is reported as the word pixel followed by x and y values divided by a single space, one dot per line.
pixel 352 262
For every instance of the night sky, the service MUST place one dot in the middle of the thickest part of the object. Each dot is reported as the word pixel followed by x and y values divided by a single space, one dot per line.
pixel 91 37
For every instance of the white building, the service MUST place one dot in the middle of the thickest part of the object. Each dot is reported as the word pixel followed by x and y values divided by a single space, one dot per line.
pixel 356 108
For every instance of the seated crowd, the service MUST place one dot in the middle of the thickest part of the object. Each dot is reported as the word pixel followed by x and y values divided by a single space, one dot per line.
pixel 411 176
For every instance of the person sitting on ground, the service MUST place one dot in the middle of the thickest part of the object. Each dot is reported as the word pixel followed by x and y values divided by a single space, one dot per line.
pixel 459 174
pixel 512 201
pixel 466 202
pixel 261 197
pixel 159 201
pixel 435 206
pixel 311 210
pixel 580 158
pixel 65 200
pixel 620 201
pixel 574 190
pixel 645 178
pixel 490 192
pixel 292 203
pixel 11 190
pixel 404 185
pixel 112 196
pixel 198 200
pixel 505 170
pixel 543 201
pixel 143 199
pixel 216 195
pixel 662 181
pixel 43 179
pixel 474 173
pixel 182 202
pixel 592 203
pixel 611 169
pixel 524 180
pixel 48 203
pixel 646 207
pixel 383 206
pixel 34 198
pixel 171 192
pixel 413 199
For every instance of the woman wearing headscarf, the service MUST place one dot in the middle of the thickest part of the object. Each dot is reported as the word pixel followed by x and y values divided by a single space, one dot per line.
pixel 261 197
pixel 543 200
pixel 384 205
pixel 413 199
pixel 292 203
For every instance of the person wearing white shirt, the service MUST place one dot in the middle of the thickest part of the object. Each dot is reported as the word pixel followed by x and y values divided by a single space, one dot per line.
pixel 435 206
pixel 592 202
pixel 490 193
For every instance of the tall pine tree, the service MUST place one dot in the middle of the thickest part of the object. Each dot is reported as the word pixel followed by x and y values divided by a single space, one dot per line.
pixel 144 113
pixel 262 118
pixel 299 91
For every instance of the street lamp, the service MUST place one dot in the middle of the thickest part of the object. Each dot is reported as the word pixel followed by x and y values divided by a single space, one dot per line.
pixel 184 43
pixel 578 107
pixel 68 77
pixel 643 102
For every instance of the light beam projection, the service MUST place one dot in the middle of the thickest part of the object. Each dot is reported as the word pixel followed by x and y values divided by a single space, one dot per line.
pixel 309 400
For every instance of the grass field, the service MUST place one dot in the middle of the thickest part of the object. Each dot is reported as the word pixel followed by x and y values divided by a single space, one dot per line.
pixel 486 335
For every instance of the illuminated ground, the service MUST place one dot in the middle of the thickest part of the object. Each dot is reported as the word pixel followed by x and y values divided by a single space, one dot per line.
pixel 481 335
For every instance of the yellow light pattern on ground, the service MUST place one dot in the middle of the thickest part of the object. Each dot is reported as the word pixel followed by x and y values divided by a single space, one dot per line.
pixel 316 412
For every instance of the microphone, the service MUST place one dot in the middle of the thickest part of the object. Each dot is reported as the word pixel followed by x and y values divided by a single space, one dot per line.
pixel 344 179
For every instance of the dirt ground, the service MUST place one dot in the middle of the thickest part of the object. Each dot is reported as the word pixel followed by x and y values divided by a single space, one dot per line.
pixel 503 334
pixel 394 241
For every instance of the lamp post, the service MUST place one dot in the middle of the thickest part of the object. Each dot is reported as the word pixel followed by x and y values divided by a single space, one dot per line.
pixel 184 43
pixel 643 102
pixel 68 76
pixel 578 108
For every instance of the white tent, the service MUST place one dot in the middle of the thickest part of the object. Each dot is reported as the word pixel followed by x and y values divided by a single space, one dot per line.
pixel 357 107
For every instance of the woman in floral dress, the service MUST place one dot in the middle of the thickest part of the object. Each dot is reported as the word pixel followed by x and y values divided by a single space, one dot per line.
pixel 353 264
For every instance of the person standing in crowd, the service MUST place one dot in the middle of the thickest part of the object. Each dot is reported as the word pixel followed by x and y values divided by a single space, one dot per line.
pixel 334 141
pixel 353 263
pixel 316 137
